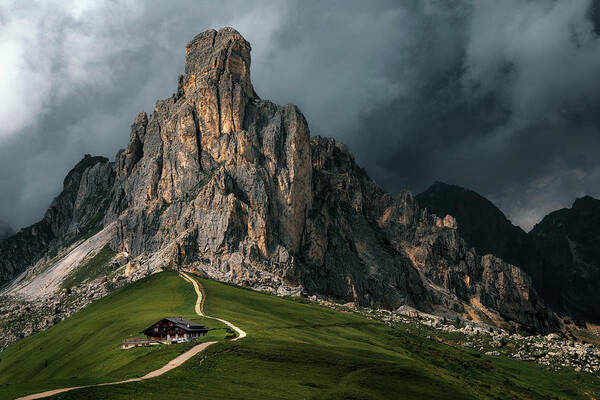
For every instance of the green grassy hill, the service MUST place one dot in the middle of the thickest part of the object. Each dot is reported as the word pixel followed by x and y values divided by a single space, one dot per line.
pixel 294 350
pixel 84 348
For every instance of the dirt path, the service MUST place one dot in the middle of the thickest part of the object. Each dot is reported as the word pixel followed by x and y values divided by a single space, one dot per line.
pixel 199 306
pixel 176 362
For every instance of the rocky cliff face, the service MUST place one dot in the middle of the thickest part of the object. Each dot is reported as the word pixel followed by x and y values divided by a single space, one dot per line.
pixel 376 249
pixel 218 180
pixel 76 212
pixel 216 176
pixel 561 253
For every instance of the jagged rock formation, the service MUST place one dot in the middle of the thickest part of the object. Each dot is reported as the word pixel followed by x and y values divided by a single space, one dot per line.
pixel 480 222
pixel 5 230
pixel 217 179
pixel 77 211
pixel 561 253
pixel 393 252
pixel 216 175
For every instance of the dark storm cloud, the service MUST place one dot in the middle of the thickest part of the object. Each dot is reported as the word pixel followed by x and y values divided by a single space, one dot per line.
pixel 501 97
pixel 513 111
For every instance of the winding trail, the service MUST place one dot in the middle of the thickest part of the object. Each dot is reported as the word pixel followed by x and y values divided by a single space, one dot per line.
pixel 199 306
pixel 174 363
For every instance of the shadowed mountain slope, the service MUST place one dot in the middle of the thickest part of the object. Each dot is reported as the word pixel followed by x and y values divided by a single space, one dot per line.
pixel 568 258
pixel 480 222
pixel 561 253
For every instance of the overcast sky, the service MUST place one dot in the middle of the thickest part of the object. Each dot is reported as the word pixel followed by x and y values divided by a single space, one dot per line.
pixel 502 97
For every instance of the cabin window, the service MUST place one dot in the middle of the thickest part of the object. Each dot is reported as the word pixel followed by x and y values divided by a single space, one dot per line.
pixel 155 330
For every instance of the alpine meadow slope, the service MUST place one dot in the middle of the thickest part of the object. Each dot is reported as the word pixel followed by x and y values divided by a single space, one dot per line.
pixel 294 349
pixel 85 348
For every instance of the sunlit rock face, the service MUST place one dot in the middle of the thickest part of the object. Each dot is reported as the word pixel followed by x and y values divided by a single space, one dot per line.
pixel 222 181
pixel 216 176
pixel 218 180
pixel 393 252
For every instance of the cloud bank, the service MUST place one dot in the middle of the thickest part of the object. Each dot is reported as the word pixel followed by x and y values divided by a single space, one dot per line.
pixel 501 97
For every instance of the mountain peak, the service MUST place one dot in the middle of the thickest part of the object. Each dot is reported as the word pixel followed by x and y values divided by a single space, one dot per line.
pixel 443 198
pixel 232 186
pixel 482 224
pixel 586 202
pixel 212 55
pixel 444 185
pixel 74 174
pixel 217 78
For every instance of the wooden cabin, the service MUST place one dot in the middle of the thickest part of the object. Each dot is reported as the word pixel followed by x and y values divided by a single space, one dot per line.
pixel 175 330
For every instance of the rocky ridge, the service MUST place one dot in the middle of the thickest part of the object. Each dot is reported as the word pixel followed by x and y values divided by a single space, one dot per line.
pixel 560 253
pixel 220 181
pixel 567 259
pixel 480 222
pixel 74 214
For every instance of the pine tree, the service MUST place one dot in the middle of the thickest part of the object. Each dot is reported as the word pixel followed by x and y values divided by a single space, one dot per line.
pixel 457 322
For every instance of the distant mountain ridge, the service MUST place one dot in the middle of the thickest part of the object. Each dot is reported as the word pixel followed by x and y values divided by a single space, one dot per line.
pixel 567 244
pixel 218 180
pixel 480 222
pixel 561 253
pixel 76 212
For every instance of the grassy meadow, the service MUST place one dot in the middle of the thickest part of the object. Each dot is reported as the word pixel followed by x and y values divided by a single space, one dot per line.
pixel 294 350
pixel 85 348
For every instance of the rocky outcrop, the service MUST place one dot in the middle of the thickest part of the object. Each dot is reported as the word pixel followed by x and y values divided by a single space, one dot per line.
pixel 560 253
pixel 480 222
pixel 74 214
pixel 215 175
pixel 365 245
pixel 346 250
pixel 223 182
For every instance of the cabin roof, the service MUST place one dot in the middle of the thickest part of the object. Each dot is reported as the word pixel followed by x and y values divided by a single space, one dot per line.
pixel 182 323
